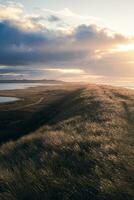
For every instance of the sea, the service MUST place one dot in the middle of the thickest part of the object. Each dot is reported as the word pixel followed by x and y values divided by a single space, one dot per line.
pixel 14 86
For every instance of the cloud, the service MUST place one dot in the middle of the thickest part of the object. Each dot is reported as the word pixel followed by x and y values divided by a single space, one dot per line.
pixel 21 48
pixel 81 46
pixel 85 50
pixel 11 11
pixel 66 12
pixel 11 36
pixel 65 71
pixel 15 13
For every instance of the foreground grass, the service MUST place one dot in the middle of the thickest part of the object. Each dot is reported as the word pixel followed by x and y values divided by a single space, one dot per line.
pixel 84 150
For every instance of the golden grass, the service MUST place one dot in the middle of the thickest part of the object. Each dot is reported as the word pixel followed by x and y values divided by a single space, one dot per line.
pixel 83 151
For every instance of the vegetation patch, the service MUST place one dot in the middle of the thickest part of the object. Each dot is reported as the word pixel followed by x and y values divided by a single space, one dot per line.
pixel 81 148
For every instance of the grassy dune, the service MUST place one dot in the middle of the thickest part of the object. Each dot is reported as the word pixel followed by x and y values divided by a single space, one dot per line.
pixel 82 149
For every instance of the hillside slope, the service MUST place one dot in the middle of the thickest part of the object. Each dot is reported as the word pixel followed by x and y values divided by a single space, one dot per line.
pixel 83 150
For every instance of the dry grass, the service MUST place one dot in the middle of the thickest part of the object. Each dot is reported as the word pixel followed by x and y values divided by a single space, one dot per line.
pixel 83 151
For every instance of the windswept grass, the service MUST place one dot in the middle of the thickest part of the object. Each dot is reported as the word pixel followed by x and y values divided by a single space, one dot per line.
pixel 83 150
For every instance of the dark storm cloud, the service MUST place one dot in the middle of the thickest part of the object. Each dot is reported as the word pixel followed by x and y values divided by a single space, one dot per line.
pixel 26 58
pixel 84 46
pixel 18 47
pixel 92 34
pixel 12 36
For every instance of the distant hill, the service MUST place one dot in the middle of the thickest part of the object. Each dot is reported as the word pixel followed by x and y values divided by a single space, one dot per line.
pixel 31 81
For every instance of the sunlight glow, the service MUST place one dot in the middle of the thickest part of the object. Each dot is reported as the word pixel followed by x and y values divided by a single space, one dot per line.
pixel 66 71
pixel 125 47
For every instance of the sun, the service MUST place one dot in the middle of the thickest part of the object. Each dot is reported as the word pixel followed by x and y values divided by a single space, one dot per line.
pixel 125 47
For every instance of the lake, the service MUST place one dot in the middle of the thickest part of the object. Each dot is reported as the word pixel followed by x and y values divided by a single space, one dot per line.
pixel 14 86
pixel 8 99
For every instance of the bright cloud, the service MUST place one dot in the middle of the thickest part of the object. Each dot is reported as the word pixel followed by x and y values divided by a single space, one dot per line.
pixel 11 11
pixel 66 71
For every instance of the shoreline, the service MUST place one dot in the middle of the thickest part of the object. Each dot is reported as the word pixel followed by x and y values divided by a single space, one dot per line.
pixel 20 92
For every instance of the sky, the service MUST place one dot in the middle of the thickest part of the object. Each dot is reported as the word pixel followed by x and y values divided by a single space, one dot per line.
pixel 75 40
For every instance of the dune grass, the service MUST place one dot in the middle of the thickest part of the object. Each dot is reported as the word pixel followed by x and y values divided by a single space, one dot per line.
pixel 83 150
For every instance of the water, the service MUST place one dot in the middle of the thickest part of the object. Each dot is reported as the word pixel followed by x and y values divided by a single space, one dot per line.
pixel 14 86
pixel 127 86
pixel 8 99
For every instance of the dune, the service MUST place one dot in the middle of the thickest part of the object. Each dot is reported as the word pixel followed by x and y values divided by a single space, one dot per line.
pixel 80 148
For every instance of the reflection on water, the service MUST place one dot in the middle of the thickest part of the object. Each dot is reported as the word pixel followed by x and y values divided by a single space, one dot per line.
pixel 13 86
pixel 8 99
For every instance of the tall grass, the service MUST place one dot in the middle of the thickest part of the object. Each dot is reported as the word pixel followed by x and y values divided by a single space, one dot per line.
pixel 83 151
